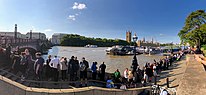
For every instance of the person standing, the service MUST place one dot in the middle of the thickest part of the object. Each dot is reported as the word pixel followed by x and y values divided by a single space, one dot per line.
pixel 38 66
pixel 30 63
pixel 102 69
pixel 76 68
pixel 48 71
pixel 94 70
pixel 126 73
pixel 54 64
pixel 71 68
pixel 83 70
pixel 23 65
pixel 117 76
pixel 16 62
pixel 63 67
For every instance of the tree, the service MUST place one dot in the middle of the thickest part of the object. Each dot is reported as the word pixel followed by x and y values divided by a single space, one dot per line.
pixel 77 40
pixel 194 30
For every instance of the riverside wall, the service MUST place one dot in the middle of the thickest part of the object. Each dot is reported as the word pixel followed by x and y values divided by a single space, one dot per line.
pixel 193 81
pixel 9 87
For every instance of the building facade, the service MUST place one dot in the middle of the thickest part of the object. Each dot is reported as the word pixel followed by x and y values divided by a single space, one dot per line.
pixel 36 35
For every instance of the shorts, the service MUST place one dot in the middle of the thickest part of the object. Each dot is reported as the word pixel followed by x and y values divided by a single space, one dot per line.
pixel 83 74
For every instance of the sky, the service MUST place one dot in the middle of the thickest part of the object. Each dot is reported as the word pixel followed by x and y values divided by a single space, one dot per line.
pixel 158 19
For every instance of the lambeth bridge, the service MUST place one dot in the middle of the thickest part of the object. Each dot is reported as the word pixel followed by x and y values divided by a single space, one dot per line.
pixel 19 44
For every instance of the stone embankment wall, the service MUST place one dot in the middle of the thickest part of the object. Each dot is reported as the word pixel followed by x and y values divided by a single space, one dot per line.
pixel 9 87
pixel 193 81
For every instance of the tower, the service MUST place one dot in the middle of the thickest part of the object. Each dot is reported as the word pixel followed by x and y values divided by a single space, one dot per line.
pixel 143 40
pixel 152 40
pixel 128 36
pixel 15 31
pixel 30 34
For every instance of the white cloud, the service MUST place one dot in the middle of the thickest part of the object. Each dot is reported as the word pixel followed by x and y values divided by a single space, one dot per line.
pixel 161 34
pixel 48 30
pixel 72 17
pixel 79 6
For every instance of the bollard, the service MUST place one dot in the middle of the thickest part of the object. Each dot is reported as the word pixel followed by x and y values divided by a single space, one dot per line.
pixel 167 82
pixel 155 79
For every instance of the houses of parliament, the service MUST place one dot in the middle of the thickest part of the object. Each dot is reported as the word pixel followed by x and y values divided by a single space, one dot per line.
pixel 143 42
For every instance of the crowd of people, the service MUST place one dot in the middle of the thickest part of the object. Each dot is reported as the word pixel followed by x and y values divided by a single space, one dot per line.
pixel 131 78
pixel 73 70
pixel 50 69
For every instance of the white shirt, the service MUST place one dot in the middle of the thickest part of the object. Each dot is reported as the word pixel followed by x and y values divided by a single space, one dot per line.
pixel 54 62
pixel 126 74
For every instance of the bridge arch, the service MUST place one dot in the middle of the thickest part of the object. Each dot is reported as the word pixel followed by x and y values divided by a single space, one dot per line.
pixel 31 50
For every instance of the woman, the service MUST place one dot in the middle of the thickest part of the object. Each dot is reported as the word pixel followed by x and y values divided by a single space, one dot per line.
pixel 30 63
pixel 63 68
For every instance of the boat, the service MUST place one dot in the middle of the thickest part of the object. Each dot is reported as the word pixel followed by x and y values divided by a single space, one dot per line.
pixel 91 46
pixel 121 50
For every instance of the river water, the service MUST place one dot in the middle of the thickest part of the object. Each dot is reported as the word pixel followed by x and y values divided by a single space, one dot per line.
pixel 99 55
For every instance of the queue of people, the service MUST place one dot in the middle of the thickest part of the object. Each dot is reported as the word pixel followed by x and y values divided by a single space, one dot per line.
pixel 144 76
pixel 50 69
pixel 72 69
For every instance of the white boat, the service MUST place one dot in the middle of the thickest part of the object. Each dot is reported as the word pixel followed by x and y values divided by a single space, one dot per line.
pixel 91 46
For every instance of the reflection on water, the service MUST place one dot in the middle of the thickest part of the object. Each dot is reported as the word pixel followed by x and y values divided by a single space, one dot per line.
pixel 99 55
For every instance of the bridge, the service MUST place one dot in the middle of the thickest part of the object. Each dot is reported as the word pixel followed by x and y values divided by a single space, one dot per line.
pixel 20 44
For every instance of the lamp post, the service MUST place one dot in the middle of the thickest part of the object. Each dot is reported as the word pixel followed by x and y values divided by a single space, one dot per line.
pixel 134 61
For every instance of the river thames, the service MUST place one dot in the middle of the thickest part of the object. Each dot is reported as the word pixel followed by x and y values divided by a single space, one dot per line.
pixel 99 55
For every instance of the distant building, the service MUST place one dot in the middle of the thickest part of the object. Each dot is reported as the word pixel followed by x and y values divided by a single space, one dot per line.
pixel 56 38
pixel 11 34
pixel 128 36
pixel 15 34
pixel 36 35
pixel 144 43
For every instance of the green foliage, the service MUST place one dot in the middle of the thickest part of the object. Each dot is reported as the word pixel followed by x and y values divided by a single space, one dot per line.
pixel 77 40
pixel 194 30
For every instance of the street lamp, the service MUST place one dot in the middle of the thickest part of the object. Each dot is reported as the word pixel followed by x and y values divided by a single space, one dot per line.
pixel 134 61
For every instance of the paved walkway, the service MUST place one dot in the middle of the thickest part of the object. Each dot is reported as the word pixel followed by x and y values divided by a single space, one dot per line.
pixel 175 74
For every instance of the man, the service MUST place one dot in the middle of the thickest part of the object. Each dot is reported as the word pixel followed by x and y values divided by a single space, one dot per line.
pixel 38 66
pixel 76 68
pixel 48 68
pixel 83 70
pixel 55 65
pixel 102 68
pixel 71 68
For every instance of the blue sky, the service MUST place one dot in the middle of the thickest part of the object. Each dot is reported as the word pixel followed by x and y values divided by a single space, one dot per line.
pixel 160 19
